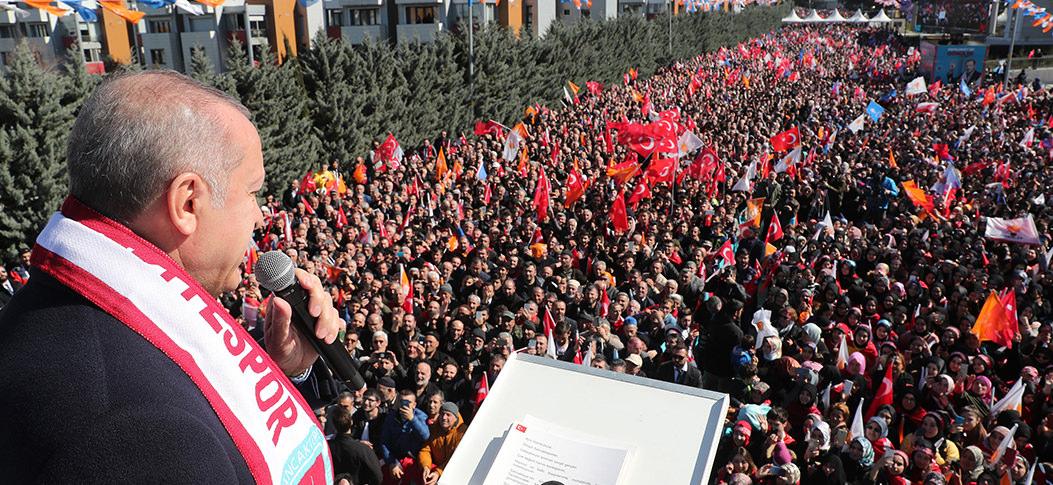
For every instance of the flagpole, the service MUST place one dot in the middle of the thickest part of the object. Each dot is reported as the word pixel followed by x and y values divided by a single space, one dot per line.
pixel 669 10
pixel 471 57
pixel 1012 45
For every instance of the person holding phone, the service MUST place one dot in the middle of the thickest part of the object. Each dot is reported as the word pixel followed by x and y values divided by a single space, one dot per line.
pixel 405 431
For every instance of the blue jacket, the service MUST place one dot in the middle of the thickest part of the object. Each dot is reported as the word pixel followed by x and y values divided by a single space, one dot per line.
pixel 401 438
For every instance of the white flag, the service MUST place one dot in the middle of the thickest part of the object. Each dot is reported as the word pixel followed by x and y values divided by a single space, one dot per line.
pixel 926 107
pixel 1021 230
pixel 1012 399
pixel 857 423
pixel 743 185
pixel 1040 200
pixel 842 353
pixel 826 396
pixel 512 142
pixel 968 134
pixel 825 225
pixel 857 124
pixel 792 158
pixel 190 8
pixel 688 143
pixel 1029 138
pixel 1004 445
pixel 917 86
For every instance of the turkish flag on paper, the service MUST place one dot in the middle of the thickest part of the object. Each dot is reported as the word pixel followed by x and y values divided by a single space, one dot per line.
pixel 786 140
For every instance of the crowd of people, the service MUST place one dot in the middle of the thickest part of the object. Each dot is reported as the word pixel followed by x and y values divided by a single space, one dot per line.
pixel 812 280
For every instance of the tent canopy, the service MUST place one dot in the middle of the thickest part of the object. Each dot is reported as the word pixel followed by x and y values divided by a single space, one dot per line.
pixel 881 17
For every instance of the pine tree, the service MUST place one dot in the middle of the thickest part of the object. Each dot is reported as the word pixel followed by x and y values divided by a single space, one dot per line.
pixel 275 96
pixel 36 123
pixel 333 99
pixel 80 84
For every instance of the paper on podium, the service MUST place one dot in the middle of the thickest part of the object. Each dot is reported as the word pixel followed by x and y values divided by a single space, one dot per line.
pixel 669 424
pixel 535 452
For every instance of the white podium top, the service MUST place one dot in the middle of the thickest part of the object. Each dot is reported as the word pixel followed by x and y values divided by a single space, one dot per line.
pixel 675 428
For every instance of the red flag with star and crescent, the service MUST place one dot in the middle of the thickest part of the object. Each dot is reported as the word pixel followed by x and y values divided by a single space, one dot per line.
pixel 883 396
pixel 786 140
pixel 726 253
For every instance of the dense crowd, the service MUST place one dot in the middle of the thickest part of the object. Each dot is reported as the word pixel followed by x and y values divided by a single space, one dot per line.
pixel 840 287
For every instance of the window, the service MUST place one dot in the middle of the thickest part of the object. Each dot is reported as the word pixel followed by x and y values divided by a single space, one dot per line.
pixel 159 26
pixel 585 12
pixel 92 55
pixel 420 15
pixel 364 16
pixel 259 27
pixel 334 17
pixel 5 57
pixel 207 24
pixel 566 12
pixel 157 57
pixel 257 52
pixel 36 29
pixel 7 31
pixel 235 21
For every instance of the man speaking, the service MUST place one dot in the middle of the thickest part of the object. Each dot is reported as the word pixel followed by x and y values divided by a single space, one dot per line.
pixel 119 364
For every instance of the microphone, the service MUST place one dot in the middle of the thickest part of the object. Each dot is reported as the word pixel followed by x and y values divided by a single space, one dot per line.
pixel 275 272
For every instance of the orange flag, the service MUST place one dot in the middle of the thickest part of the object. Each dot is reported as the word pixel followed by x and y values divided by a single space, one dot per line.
pixel 892 160
pixel 211 3
pixel 117 7
pixel 440 166
pixel 918 196
pixel 993 324
pixel 47 7
pixel 623 171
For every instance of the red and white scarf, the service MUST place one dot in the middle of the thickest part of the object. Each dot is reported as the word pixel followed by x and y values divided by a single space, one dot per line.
pixel 132 280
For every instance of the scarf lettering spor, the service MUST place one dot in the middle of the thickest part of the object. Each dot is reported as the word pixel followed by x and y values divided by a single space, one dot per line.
pixel 132 280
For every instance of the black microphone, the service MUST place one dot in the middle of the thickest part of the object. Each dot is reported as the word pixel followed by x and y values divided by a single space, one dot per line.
pixel 275 272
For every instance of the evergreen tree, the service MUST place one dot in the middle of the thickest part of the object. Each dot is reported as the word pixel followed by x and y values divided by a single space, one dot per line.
pixel 81 84
pixel 275 96
pixel 36 124
pixel 333 99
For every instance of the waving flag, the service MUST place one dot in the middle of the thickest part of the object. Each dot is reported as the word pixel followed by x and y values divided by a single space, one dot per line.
pixel 688 143
pixel 918 196
pixel 661 170
pixel 917 86
pixel 883 397
pixel 481 173
pixel 640 192
pixel 542 193
pixel 512 142
pixel 857 124
pixel 1013 400
pixel 875 111
pixel 489 127
pixel 992 325
pixel 623 171
pixel 929 107
pixel 774 230
pixel 1029 138
pixel 46 6
pixel 619 216
pixel 576 185
pixel 964 87
pixel 726 253
pixel 389 151
pixel 406 289
pixel 1021 230
pixel 86 10
pixel 789 162
pixel 786 140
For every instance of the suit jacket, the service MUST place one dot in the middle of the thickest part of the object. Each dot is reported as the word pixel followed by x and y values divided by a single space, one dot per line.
pixel 86 399
pixel 5 296
pixel 691 377
pixel 354 458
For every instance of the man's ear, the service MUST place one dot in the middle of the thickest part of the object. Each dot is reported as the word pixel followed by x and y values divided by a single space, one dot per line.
pixel 186 196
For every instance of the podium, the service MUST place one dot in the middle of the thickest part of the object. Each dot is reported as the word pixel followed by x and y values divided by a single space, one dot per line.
pixel 675 429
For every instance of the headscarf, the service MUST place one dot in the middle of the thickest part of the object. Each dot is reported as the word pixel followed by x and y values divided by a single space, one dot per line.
pixel 986 398
pixel 824 430
pixel 752 414
pixel 776 348
pixel 868 451
pixel 813 332
pixel 746 428
pixel 978 458
pixel 882 425
pixel 862 361
pixel 838 476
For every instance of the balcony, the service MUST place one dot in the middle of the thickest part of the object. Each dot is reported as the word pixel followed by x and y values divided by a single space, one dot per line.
pixel 358 34
pixel 334 4
pixel 418 32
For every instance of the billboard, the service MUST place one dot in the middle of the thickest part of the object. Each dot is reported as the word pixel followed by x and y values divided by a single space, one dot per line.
pixel 948 63
pixel 965 16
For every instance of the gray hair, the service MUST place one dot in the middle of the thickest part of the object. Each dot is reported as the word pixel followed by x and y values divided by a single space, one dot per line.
pixel 138 131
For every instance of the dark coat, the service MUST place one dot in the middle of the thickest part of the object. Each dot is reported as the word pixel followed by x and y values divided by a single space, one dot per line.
pixel 691 377
pixel 86 399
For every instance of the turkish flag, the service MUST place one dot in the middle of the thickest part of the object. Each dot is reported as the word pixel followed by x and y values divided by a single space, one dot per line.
pixel 541 196
pixel 661 170
pixel 1009 302
pixel 575 187
pixel 488 127
pixel 774 230
pixel 618 215
pixel 481 391
pixel 640 192
pixel 786 140
pixel 883 396
pixel 726 253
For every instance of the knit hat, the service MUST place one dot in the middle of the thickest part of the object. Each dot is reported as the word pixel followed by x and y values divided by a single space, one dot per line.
pixel 449 407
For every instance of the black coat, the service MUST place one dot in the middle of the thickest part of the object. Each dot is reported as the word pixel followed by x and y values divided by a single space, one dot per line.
pixel 86 399
pixel 352 457
pixel 691 377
